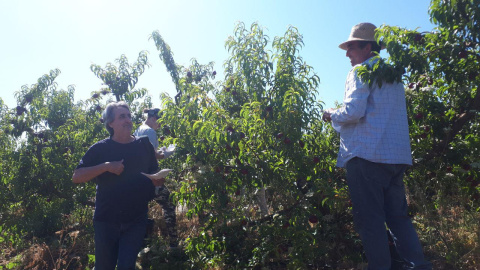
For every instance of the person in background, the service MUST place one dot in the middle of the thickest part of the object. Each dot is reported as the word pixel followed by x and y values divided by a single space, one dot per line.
pixel 116 165
pixel 375 150
pixel 162 194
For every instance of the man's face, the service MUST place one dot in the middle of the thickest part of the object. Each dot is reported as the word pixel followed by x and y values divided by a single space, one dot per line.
pixel 123 121
pixel 356 54
pixel 155 124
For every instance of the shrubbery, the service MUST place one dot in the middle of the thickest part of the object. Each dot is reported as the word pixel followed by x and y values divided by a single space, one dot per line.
pixel 254 135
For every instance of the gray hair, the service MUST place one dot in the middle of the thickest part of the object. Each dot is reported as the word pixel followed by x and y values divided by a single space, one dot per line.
pixel 109 116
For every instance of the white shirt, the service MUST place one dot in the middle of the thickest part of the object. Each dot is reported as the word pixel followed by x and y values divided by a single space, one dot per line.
pixel 148 131
pixel 372 123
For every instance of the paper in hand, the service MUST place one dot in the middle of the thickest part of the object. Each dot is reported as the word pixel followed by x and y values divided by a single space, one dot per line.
pixel 168 152
pixel 171 148
pixel 159 175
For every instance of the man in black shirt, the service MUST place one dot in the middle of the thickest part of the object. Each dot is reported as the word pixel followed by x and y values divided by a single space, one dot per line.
pixel 116 164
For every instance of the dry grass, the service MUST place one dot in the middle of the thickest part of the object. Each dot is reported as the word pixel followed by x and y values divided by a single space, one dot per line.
pixel 450 234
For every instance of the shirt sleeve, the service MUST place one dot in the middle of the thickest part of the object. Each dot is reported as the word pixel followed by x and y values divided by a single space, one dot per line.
pixel 153 163
pixel 355 101
pixel 89 159
pixel 152 137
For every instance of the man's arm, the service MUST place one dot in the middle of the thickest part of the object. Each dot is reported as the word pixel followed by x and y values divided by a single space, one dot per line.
pixel 85 174
pixel 152 137
pixel 327 115
pixel 354 104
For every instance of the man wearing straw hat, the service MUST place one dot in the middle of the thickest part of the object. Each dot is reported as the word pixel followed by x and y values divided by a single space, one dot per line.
pixel 375 150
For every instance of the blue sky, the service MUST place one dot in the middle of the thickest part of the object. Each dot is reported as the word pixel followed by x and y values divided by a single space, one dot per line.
pixel 40 35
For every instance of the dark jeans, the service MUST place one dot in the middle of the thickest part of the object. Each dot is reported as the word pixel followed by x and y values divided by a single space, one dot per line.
pixel 118 244
pixel 378 197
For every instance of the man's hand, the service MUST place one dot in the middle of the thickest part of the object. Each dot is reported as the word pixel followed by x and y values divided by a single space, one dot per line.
pixel 327 115
pixel 159 154
pixel 85 174
pixel 115 167
pixel 158 182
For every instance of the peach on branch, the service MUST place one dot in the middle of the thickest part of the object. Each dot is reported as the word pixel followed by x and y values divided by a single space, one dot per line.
pixel 28 98
pixel 20 110
pixel 301 143
pixel 472 75
pixel 466 167
pixel 313 219
pixel 419 38
pixel 462 54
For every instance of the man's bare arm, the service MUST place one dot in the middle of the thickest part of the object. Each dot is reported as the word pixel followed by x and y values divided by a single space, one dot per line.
pixel 83 175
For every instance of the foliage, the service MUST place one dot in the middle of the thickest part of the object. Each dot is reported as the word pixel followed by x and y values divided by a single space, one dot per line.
pixel 255 167
pixel 258 129
pixel 166 56
pixel 121 80
pixel 380 72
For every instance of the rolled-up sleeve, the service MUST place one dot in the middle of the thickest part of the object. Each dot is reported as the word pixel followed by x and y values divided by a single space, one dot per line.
pixel 354 103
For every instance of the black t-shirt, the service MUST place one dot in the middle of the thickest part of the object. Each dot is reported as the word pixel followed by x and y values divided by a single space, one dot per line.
pixel 124 197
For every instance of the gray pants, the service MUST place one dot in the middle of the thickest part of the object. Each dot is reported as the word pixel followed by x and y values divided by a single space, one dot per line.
pixel 378 197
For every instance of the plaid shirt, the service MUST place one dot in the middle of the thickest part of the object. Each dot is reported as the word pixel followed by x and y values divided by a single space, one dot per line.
pixel 372 123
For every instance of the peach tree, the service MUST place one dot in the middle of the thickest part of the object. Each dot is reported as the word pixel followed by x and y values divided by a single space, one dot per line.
pixel 255 139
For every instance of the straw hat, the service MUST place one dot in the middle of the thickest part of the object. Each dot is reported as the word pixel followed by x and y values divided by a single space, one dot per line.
pixel 361 32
